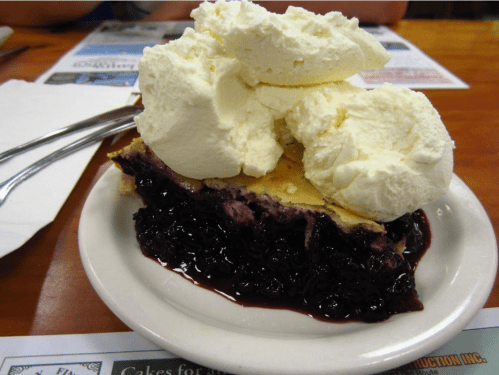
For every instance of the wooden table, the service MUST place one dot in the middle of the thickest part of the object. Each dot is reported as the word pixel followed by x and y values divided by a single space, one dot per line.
pixel 43 287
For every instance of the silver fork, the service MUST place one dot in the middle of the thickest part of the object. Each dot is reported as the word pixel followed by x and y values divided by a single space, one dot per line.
pixel 115 128
pixel 110 117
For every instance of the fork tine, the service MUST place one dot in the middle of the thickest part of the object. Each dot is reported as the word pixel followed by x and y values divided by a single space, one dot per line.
pixel 7 186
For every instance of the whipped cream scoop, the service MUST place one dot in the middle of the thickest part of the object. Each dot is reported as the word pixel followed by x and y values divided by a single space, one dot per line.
pixel 200 118
pixel 379 153
pixel 230 95
pixel 294 48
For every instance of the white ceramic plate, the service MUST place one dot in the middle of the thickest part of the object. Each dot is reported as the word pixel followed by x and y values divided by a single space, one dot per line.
pixel 454 280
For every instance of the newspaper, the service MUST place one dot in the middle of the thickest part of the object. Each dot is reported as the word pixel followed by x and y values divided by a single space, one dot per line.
pixel 409 66
pixel 471 352
pixel 110 55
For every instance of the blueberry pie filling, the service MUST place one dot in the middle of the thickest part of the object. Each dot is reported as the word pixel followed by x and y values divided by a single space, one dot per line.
pixel 260 252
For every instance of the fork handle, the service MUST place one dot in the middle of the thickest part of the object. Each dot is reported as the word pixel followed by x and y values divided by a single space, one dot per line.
pixel 111 117
pixel 7 186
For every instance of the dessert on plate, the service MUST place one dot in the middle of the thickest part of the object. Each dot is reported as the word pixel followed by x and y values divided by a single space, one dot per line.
pixel 267 177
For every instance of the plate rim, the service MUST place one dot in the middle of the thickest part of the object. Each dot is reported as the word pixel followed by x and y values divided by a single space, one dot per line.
pixel 229 361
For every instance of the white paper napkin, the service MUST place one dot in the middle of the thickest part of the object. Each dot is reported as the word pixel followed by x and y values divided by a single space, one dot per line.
pixel 29 110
